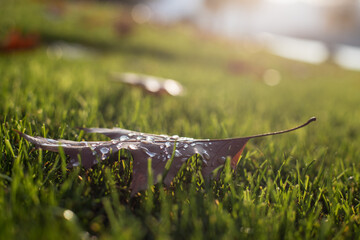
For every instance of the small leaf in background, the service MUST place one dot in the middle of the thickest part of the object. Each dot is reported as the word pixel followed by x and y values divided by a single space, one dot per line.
pixel 124 25
pixel 151 84
pixel 67 50
pixel 15 41
pixel 160 148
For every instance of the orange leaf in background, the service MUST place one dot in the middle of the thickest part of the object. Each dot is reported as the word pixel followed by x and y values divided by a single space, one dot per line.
pixel 15 40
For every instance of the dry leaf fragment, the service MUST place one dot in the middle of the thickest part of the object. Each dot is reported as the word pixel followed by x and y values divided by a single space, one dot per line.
pixel 159 148
pixel 151 84
pixel 15 40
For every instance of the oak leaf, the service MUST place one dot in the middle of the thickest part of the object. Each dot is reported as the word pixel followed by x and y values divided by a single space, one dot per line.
pixel 160 148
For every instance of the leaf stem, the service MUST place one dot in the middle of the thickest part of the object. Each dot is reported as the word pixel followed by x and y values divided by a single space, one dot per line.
pixel 313 119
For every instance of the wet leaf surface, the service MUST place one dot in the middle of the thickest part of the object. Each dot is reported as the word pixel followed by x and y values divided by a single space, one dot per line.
pixel 160 148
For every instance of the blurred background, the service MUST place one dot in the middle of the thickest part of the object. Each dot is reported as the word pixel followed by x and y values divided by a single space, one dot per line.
pixel 312 31
pixel 306 30
pixel 234 50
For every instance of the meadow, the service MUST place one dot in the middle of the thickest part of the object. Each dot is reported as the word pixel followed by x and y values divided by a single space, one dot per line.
pixel 300 185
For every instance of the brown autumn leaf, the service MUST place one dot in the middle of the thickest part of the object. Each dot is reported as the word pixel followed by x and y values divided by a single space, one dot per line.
pixel 160 148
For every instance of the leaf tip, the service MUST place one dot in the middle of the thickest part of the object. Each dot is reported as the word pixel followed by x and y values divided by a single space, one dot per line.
pixel 312 119
pixel 18 132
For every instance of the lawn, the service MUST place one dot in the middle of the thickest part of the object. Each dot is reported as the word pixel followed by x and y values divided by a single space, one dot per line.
pixel 300 185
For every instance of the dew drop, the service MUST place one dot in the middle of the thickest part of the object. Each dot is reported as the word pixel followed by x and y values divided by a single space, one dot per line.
pixel 104 150
pixel 47 144
pixel 150 154
pixel 139 138
pixel 162 146
pixel 169 156
pixel 186 139
pixel 124 138
pixel 149 139
pixel 75 164
pixel 133 147
pixel 167 144
pixel 221 160
pixel 119 146
pixel 175 136
pixel 192 144
pixel 186 145
pixel 206 155
pixel 177 153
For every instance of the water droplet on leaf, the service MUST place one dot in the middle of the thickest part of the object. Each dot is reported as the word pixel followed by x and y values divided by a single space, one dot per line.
pixel 133 147
pixel 150 154
pixel 124 138
pixel 104 151
pixel 206 155
pixel 177 153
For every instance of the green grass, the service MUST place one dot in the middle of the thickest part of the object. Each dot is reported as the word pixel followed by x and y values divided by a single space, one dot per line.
pixel 301 185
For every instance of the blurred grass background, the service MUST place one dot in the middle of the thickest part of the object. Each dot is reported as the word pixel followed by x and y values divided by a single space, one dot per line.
pixel 295 186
